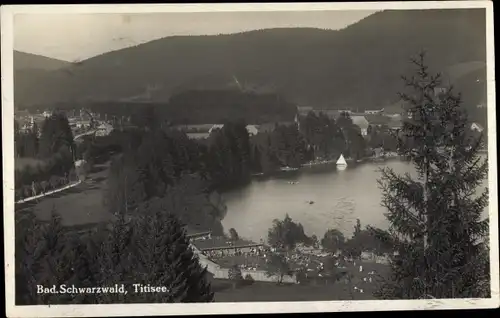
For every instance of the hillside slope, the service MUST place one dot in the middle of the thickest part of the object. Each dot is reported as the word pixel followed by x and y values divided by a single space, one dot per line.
pixel 24 61
pixel 359 66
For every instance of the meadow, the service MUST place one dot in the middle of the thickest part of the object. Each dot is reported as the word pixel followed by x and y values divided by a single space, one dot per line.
pixel 314 291
pixel 23 162
pixel 80 205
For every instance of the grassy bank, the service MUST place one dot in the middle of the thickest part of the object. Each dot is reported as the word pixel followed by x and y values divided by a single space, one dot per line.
pixel 80 205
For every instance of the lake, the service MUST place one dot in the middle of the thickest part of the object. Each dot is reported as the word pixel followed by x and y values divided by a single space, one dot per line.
pixel 338 199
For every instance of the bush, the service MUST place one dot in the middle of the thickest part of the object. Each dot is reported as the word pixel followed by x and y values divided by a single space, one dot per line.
pixel 249 279
pixel 235 275
pixel 300 276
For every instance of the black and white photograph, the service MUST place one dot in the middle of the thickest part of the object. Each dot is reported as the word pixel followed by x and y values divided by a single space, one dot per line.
pixel 249 158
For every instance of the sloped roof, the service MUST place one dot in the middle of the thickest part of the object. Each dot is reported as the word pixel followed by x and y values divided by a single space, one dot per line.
pixel 479 126
pixel 378 119
pixel 214 127
pixel 360 121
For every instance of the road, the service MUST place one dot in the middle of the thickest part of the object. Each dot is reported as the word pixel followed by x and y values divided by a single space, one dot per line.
pixel 90 132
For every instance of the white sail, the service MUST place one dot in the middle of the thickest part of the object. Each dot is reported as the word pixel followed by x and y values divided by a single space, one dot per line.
pixel 341 161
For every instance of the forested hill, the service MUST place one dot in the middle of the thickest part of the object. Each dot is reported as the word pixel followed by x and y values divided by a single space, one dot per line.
pixel 359 66
pixel 201 107
pixel 28 61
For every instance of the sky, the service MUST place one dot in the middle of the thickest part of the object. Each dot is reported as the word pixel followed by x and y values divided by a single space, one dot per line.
pixel 75 37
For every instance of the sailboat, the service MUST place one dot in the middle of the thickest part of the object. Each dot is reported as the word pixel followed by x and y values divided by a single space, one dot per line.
pixel 341 163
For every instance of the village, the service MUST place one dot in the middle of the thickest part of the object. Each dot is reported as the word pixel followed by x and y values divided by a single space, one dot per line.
pixel 306 264
pixel 84 122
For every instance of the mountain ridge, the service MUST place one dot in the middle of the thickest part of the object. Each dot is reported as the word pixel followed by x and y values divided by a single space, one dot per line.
pixel 25 60
pixel 358 66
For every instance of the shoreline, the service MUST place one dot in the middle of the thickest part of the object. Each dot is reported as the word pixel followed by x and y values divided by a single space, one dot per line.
pixel 327 162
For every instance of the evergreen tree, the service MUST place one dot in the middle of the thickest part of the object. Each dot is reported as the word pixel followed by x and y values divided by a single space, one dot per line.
pixel 333 240
pixel 27 237
pixel 30 144
pixel 164 256
pixel 344 120
pixel 357 228
pixel 54 262
pixel 233 235
pixel 115 257
pixel 125 187
pixel 55 134
pixel 286 234
pixel 191 201
pixel 230 155
pixel 82 254
pixel 435 218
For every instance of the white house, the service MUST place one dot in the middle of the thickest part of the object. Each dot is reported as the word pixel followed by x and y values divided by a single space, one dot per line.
pixel 46 114
pixel 104 129
pixel 374 112
pixel 83 124
pixel 251 129
pixel 476 127
pixel 362 123
pixel 348 111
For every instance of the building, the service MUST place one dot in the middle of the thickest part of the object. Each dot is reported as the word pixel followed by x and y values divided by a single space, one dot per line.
pixel 202 128
pixel 378 120
pixel 83 124
pixel 374 112
pixel 47 114
pixel 200 236
pixel 476 127
pixel 27 126
pixel 345 111
pixel 251 129
pixel 362 123
pixel 104 129
pixel 215 127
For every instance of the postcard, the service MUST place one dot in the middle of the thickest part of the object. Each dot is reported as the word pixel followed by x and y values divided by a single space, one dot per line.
pixel 196 159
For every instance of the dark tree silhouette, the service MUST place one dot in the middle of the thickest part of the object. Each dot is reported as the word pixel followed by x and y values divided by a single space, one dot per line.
pixel 435 217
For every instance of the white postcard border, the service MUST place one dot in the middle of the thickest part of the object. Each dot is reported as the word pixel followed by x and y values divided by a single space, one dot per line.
pixel 7 13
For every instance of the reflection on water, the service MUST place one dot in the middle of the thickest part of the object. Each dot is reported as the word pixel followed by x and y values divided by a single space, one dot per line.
pixel 319 197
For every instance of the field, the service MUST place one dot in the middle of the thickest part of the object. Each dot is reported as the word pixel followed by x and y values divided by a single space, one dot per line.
pixel 314 291
pixel 260 291
pixel 77 206
pixel 22 163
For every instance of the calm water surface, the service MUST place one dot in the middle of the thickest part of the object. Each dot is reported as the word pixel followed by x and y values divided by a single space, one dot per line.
pixel 339 198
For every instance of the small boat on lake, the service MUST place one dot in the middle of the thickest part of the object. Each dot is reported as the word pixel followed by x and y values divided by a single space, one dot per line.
pixel 341 163
pixel 288 169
